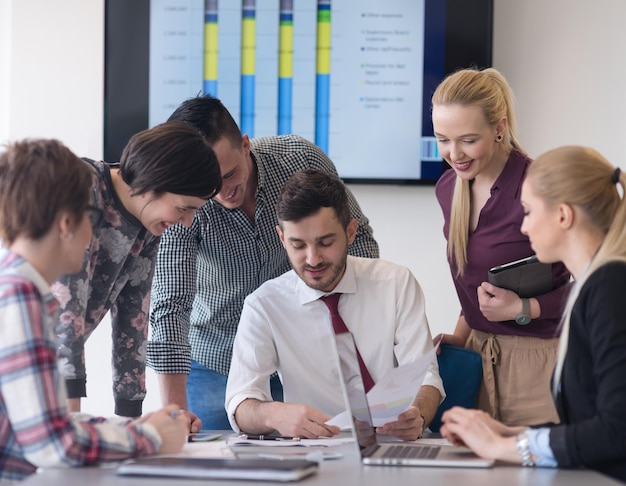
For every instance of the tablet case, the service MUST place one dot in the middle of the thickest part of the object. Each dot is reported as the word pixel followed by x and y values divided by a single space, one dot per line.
pixel 209 468
pixel 461 371
pixel 527 277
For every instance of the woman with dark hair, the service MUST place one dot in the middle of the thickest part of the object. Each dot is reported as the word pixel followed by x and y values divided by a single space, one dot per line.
pixel 165 174
pixel 44 232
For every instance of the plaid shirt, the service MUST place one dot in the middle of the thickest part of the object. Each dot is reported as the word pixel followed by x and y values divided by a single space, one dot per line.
pixel 35 429
pixel 204 273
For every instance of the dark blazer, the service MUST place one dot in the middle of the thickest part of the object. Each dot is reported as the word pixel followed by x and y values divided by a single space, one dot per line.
pixel 592 398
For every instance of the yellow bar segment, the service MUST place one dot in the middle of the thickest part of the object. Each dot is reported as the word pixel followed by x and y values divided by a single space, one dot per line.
pixel 323 48
pixel 210 51
pixel 285 52
pixel 248 46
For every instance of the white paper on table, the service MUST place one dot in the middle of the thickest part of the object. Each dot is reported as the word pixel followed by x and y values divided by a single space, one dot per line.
pixel 394 393
pixel 216 449
pixel 328 442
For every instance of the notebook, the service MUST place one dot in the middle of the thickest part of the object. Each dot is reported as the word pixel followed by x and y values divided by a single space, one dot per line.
pixel 205 468
pixel 371 449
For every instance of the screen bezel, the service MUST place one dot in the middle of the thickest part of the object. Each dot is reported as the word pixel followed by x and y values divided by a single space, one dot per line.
pixel 468 42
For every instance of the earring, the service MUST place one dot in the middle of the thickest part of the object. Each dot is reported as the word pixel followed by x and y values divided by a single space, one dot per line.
pixel 66 236
pixel 499 138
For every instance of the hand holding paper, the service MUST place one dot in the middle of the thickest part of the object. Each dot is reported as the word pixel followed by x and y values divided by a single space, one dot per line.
pixel 393 394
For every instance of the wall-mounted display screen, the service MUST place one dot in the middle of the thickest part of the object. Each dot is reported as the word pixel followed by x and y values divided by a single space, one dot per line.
pixel 353 76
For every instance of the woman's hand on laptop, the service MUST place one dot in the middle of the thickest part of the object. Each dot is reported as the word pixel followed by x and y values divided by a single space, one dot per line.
pixel 484 435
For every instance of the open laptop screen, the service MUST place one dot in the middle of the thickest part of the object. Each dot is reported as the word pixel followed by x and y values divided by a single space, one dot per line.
pixel 354 390
pixel 389 453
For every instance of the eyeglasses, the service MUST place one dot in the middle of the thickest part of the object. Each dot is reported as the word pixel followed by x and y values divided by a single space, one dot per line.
pixel 95 215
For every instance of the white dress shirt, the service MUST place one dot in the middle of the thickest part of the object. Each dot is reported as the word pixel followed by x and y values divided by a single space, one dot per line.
pixel 285 328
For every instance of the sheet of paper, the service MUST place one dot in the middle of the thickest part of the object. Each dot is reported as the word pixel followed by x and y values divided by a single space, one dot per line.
pixel 217 449
pixel 393 393
pixel 333 441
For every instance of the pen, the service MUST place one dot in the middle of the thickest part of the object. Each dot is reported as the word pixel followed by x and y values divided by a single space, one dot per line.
pixel 268 437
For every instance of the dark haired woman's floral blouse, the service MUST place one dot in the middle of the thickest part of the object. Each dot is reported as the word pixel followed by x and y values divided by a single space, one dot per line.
pixel 116 275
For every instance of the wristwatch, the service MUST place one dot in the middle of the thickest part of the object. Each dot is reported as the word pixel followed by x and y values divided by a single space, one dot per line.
pixel 523 448
pixel 523 317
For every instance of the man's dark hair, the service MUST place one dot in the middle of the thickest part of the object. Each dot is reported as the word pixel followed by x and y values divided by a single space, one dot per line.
pixel 207 114
pixel 309 190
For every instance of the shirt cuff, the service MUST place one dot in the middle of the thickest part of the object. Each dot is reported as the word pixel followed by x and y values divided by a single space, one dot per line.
pixel 152 433
pixel 76 387
pixel 539 445
pixel 128 408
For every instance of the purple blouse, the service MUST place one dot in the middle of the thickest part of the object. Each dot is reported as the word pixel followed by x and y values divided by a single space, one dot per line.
pixel 497 240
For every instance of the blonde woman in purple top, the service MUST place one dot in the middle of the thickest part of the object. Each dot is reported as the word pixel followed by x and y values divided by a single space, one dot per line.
pixel 45 232
pixel 473 120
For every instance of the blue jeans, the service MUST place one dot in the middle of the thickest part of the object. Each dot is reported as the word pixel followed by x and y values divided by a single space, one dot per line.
pixel 206 394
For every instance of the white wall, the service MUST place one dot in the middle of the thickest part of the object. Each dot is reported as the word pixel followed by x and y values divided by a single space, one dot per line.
pixel 6 33
pixel 565 62
pixel 563 58
pixel 53 72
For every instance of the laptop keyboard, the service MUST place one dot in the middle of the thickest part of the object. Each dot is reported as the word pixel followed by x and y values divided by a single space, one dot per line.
pixel 410 452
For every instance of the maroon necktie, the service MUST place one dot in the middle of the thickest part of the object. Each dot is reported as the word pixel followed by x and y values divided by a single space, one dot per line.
pixel 332 302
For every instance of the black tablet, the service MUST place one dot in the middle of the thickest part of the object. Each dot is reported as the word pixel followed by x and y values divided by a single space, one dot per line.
pixel 527 277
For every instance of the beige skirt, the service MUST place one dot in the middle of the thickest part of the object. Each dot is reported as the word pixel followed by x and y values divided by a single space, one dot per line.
pixel 516 377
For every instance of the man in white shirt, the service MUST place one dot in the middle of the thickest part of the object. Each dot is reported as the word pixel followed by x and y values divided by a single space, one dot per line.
pixel 284 326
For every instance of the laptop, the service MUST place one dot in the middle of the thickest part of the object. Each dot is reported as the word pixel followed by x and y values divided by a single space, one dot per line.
pixel 206 468
pixel 371 449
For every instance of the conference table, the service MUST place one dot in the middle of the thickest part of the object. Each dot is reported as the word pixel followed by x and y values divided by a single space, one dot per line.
pixel 345 471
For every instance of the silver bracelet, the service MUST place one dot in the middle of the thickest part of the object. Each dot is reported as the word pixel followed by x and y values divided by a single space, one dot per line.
pixel 523 448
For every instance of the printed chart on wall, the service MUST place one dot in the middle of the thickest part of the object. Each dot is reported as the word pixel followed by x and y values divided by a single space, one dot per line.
pixel 345 74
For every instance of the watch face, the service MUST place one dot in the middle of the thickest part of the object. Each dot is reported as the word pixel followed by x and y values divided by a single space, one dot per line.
pixel 523 320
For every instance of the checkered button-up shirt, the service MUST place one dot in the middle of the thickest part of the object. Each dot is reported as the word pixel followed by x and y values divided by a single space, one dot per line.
pixel 204 273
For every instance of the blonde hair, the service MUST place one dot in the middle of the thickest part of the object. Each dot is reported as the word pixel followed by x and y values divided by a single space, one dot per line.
pixel 489 90
pixel 581 177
